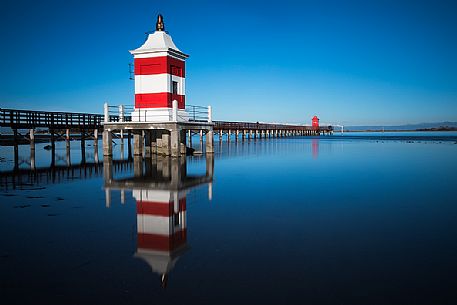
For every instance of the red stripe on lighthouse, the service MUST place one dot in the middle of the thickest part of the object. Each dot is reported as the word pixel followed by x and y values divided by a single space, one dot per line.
pixel 158 208
pixel 161 242
pixel 158 100
pixel 159 65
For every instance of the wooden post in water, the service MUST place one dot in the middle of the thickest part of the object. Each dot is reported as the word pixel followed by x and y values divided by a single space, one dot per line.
pixel 32 139
pixel 67 138
pixel 68 160
pixel 107 173
pixel 147 144
pixel 182 143
pixel 16 150
pixel 32 159
pixel 83 138
pixel 83 146
pixel 154 134
pixel 137 166
pixel 129 144
pixel 53 142
pixel 210 142
pixel 138 143
pixel 209 165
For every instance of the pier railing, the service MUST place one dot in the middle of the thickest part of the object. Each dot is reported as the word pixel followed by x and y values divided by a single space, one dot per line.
pixel 199 113
pixel 29 119
pixel 127 113
pixel 32 119
pixel 121 113
pixel 224 125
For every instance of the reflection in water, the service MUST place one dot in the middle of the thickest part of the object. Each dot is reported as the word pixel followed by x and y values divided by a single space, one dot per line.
pixel 159 186
pixel 315 146
pixel 272 217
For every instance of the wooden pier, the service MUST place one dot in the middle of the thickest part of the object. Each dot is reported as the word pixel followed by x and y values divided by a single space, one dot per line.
pixel 266 130
pixel 54 125
pixel 169 138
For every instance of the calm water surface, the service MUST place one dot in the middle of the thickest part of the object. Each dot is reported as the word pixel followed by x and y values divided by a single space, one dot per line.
pixel 333 220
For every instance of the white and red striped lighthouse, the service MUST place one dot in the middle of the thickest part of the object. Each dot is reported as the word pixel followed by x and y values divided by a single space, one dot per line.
pixel 159 79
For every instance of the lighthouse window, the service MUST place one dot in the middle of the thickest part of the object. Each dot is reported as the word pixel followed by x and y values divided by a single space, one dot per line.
pixel 176 71
pixel 176 219
pixel 174 88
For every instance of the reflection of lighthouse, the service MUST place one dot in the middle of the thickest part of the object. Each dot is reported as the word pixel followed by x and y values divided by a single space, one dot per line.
pixel 315 147
pixel 159 186
pixel 161 224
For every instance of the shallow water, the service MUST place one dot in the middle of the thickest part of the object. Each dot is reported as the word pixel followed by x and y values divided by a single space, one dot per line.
pixel 329 220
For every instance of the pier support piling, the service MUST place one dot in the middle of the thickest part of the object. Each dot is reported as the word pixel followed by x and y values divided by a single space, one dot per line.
pixel 96 137
pixel 175 139
pixel 182 143
pixel 107 143
pixel 138 144
pixel 210 142
pixel 147 144
pixel 154 134
pixel 129 144
pixel 163 145
pixel 67 138
pixel 32 139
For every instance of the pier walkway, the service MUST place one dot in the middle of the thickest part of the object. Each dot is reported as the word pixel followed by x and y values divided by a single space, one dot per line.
pixel 31 119
pixel 169 137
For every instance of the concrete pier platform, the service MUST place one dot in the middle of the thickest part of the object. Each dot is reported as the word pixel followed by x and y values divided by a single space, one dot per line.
pixel 161 138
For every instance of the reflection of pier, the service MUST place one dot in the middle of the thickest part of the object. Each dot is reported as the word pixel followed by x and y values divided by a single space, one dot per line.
pixel 159 186
pixel 60 168
pixel 19 178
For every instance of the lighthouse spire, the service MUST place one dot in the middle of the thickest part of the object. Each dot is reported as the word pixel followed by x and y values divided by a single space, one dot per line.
pixel 160 26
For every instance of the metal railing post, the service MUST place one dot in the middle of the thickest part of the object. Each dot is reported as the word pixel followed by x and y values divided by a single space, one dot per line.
pixel 106 112
pixel 175 111
pixel 121 113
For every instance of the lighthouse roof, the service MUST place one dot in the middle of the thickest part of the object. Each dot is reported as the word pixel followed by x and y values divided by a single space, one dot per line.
pixel 159 41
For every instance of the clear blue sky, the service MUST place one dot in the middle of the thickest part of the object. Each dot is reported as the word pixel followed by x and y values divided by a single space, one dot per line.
pixel 350 62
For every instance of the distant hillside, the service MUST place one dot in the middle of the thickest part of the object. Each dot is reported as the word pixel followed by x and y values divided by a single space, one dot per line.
pixel 404 127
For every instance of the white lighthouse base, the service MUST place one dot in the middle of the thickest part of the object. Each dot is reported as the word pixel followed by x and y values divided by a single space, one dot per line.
pixel 159 115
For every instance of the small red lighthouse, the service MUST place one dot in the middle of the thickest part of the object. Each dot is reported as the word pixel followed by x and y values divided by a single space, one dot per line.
pixel 315 122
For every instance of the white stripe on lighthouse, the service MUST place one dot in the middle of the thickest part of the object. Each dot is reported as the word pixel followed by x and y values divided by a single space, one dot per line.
pixel 158 83
pixel 159 225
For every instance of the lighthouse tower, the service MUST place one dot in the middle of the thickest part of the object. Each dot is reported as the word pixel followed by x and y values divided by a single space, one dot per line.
pixel 159 79
pixel 315 122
